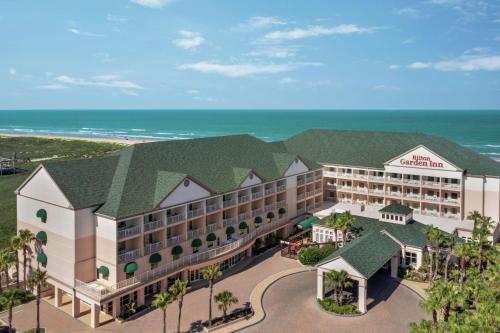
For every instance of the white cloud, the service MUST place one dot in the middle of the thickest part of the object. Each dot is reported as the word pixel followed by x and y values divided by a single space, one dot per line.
pixel 394 67
pixel 12 71
pixel 410 12
pixel 466 63
pixel 152 3
pixel 238 69
pixel 55 86
pixel 320 83
pixel 193 92
pixel 408 41
pixel 386 88
pixel 263 22
pixel 112 18
pixel 287 80
pixel 189 40
pixel 317 31
pixel 273 52
pixel 110 81
pixel 83 33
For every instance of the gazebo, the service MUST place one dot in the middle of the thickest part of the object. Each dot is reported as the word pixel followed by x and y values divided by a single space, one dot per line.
pixel 6 166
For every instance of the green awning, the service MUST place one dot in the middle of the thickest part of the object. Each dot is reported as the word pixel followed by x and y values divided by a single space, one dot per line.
pixel 130 267
pixel 41 258
pixel 229 231
pixel 270 215
pixel 258 220
pixel 281 211
pixel 243 226
pixel 154 258
pixel 103 270
pixel 211 237
pixel 196 242
pixel 41 236
pixel 42 214
pixel 307 223
pixel 177 250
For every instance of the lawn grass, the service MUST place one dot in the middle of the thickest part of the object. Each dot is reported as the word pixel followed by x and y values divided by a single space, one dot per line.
pixel 37 148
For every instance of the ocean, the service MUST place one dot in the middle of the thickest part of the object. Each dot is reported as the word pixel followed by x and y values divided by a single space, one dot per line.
pixel 478 130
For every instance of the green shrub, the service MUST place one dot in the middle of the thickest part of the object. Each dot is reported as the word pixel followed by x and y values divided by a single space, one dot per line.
pixel 312 255
pixel 330 305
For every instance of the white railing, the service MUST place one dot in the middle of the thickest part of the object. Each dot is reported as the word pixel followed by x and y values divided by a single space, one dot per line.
pixel 269 191
pixel 242 217
pixel 430 198
pixel 212 227
pixel 344 188
pixel 359 176
pixel 243 198
pixel 344 175
pixel 411 181
pixel 318 176
pixel 381 192
pixel 451 185
pixel 360 189
pixel 196 258
pixel 194 213
pixel 228 203
pixel 301 211
pixel 449 200
pixel 280 204
pixel 281 188
pixel 154 247
pixel 256 212
pixel 412 196
pixel 152 225
pixel 269 208
pixel 381 178
pixel 174 240
pixel 130 231
pixel 256 195
pixel 327 173
pixel 175 218
pixel 229 221
pixel 300 182
pixel 213 207
pixel 394 194
pixel 428 183
pixel 128 255
pixel 393 180
pixel 309 193
pixel 301 196
pixel 430 212
pixel 194 233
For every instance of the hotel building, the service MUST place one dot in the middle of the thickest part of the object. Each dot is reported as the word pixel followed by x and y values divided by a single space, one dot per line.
pixel 117 229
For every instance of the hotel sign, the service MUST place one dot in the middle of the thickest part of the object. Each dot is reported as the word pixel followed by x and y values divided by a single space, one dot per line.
pixel 421 161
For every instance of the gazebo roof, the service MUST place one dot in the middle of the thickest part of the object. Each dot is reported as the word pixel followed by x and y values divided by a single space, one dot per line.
pixel 396 208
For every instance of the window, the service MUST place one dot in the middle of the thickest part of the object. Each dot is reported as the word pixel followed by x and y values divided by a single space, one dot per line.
pixel 121 246
pixel 410 259
pixel 383 216
pixel 195 275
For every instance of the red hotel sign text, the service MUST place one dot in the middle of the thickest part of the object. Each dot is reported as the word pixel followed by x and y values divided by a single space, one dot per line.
pixel 421 161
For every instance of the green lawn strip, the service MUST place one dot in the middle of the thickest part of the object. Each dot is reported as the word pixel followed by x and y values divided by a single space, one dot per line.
pixel 37 148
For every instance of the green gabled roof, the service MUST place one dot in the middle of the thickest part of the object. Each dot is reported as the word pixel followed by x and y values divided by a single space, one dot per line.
pixel 368 253
pixel 396 208
pixel 373 149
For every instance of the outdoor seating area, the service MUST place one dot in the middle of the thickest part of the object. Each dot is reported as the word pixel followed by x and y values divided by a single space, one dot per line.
pixel 7 166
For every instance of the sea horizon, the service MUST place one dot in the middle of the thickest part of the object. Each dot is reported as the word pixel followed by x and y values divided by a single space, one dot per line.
pixel 475 129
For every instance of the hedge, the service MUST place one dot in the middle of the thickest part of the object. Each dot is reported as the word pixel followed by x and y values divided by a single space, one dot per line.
pixel 313 255
pixel 330 305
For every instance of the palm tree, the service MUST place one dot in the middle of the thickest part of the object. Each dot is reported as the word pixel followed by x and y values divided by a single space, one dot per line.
pixel 225 299
pixel 16 244
pixel 462 251
pixel 429 232
pixel 7 260
pixel 161 301
pixel 10 298
pixel 438 240
pixel 26 237
pixel 38 280
pixel 474 216
pixel 481 232
pixel 178 290
pixel 332 221
pixel 345 224
pixel 211 273
pixel 450 241
pixel 337 281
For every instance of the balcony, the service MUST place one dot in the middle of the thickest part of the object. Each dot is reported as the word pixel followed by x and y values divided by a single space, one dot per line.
pixel 154 247
pixel 318 190
pixel 330 173
pixel 129 232
pixel 229 203
pixel 376 178
pixel 344 188
pixel 429 212
pixel 195 233
pixel 309 193
pixel 213 207
pixel 300 182
pixel 344 175
pixel 318 176
pixel 243 198
pixel 256 195
pixel 393 180
pixel 229 221
pixel 125 256
pixel 376 191
pixel 430 198
pixel 153 225
pixel 256 212
pixel 212 227
pixel 412 196
pixel 194 213
pixel 100 292
pixel 281 188
pixel 280 204
pixel 301 196
pixel 452 185
pixel 430 184
pixel 269 191
pixel 175 218
pixel 451 201
pixel 394 193
pixel 269 208
pixel 242 217
pixel 360 189
pixel 360 176
pixel 309 179
pixel 174 240
pixel 301 211
pixel 411 181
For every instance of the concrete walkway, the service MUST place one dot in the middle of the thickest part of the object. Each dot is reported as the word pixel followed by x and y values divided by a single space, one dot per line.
pixel 256 300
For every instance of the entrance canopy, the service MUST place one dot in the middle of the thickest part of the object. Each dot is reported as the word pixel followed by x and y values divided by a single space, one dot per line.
pixel 307 223
pixel 363 257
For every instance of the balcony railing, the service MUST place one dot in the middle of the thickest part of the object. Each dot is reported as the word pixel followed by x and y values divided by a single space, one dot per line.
pixel 430 198
pixel 242 217
pixel 430 183
pixel 344 175
pixel 412 196
pixel 194 233
pixel 154 247
pixel 318 190
pixel 129 232
pixel 194 212
pixel 310 179
pixel 175 218
pixel 394 193
pixel 256 195
pixel 280 204
pixel 309 193
pixel 376 178
pixel 256 212
pixel 393 180
pixel 229 221
pixel 243 198
pixel 269 208
pixel 301 196
pixel 360 176
pixel 451 185
pixel 281 188
pixel 229 203
pixel 213 207
pixel 174 240
pixel 125 256
pixel 300 182
pixel 344 188
pixel 152 225
pixel 360 189
pixel 327 173
pixel 212 227
pixel 376 191
pixel 99 293
pixel 411 181
pixel 450 200
pixel 318 176
pixel 269 191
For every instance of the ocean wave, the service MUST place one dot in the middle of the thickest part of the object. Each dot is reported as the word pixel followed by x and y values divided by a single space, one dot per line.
pixel 138 130
pixel 164 133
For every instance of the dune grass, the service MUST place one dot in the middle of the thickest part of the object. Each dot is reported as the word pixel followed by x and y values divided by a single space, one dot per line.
pixel 43 150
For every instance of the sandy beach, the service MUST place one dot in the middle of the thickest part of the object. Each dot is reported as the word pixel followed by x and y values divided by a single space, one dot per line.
pixel 55 137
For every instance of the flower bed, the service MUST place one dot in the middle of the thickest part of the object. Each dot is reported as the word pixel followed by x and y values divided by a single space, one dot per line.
pixel 330 305
pixel 235 316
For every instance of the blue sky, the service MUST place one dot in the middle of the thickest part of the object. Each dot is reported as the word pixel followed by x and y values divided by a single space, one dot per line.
pixel 250 54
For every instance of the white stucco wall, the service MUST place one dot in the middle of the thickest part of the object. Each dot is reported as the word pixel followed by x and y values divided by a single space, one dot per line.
pixel 182 194
pixel 295 168
pixel 42 187
pixel 251 180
